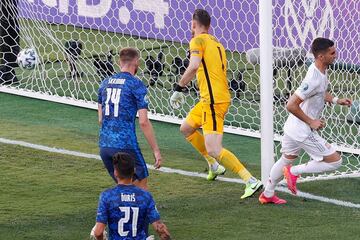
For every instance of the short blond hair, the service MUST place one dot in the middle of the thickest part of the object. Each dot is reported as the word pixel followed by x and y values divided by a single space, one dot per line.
pixel 128 54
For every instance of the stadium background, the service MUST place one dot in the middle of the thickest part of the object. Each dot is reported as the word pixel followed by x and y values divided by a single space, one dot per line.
pixel 52 196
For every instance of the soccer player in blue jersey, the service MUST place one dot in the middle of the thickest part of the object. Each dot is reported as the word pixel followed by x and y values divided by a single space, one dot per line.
pixel 120 98
pixel 127 209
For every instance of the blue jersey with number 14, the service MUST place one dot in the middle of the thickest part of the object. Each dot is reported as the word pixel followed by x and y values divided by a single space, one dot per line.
pixel 121 96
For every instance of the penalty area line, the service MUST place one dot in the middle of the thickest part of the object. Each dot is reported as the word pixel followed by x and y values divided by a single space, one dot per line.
pixel 177 171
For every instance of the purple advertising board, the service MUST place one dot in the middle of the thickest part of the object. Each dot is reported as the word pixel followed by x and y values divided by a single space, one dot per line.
pixel 234 22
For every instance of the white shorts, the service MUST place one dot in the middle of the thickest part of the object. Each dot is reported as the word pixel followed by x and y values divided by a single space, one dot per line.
pixel 314 145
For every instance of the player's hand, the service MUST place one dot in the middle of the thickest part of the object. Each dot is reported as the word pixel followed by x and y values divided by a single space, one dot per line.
pixel 177 99
pixel 317 124
pixel 344 102
pixel 158 159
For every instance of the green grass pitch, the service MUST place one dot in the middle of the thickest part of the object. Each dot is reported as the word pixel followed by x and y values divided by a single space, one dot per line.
pixel 52 196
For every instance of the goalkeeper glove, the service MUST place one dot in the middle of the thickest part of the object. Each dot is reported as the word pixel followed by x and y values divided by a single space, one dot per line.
pixel 177 98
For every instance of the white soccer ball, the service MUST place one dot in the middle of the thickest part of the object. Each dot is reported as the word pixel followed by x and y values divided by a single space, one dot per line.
pixel 27 59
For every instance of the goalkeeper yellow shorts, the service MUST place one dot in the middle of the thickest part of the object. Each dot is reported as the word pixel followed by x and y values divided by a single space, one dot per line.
pixel 209 116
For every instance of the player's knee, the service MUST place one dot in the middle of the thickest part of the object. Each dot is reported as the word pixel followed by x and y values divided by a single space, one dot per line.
pixel 213 152
pixel 335 157
pixel 142 184
pixel 186 130
pixel 289 157
pixel 336 165
pixel 338 157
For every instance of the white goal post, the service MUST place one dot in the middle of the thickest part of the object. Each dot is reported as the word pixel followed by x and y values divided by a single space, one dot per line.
pixel 267 46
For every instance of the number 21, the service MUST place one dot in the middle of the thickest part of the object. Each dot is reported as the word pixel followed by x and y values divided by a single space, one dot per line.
pixel 126 218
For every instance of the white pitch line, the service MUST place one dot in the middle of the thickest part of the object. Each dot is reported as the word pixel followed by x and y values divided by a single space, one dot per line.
pixel 178 171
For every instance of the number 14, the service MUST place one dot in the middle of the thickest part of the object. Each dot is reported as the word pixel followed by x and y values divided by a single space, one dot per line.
pixel 112 94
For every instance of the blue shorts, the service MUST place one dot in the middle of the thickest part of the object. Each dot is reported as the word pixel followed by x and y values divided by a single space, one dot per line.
pixel 141 170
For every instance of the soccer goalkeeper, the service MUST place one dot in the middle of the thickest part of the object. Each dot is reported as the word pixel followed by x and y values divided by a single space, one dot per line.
pixel 208 62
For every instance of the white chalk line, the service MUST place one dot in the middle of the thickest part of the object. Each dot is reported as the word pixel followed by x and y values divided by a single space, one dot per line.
pixel 178 171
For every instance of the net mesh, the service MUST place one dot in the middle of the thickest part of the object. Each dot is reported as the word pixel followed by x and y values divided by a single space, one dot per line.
pixel 78 41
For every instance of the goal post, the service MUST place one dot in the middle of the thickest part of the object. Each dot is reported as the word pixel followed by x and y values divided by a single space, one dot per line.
pixel 267 46
pixel 266 88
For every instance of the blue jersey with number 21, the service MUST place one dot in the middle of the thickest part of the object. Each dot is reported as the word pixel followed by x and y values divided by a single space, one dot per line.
pixel 127 210
pixel 121 96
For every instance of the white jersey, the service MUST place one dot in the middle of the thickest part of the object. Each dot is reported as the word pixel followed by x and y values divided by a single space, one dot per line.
pixel 312 90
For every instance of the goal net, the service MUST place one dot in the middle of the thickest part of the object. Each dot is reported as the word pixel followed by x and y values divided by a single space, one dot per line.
pixel 78 41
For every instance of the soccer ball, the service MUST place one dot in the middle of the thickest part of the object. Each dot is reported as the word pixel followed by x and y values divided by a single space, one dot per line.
pixel 27 58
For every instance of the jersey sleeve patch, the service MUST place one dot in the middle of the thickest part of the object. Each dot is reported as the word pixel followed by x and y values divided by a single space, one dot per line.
pixel 197 47
pixel 140 93
pixel 306 90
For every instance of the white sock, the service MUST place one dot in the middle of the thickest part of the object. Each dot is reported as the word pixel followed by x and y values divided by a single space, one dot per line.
pixel 214 166
pixel 315 167
pixel 276 174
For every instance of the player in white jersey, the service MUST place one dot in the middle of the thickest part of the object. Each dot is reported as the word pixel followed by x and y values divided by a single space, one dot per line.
pixel 300 130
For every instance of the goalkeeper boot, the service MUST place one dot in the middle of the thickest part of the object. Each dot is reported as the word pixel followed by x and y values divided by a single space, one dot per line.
pixel 213 174
pixel 252 187
pixel 274 199
pixel 290 179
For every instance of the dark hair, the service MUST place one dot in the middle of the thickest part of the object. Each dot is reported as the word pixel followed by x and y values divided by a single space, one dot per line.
pixel 124 163
pixel 320 45
pixel 202 16
pixel 128 54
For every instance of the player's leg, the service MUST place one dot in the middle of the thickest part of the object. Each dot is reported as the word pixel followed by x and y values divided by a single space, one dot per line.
pixel 106 155
pixel 276 174
pixel 189 129
pixel 290 150
pixel 213 125
pixel 323 156
pixel 141 176
pixel 141 171
pixel 143 183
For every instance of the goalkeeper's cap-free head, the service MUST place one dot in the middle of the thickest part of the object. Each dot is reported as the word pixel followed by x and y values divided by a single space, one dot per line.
pixel 202 17
pixel 321 45
pixel 128 54
pixel 124 163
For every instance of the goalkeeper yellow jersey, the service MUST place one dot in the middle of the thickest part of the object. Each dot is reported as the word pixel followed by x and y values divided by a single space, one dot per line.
pixel 211 75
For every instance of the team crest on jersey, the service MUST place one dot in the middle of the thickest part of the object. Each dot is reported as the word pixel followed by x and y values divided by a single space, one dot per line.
pixel 146 99
pixel 304 87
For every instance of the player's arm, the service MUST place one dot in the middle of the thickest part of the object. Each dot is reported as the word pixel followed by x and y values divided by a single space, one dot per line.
pixel 335 100
pixel 99 230
pixel 177 98
pixel 101 219
pixel 149 134
pixel 190 71
pixel 161 229
pixel 293 106
pixel 100 113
